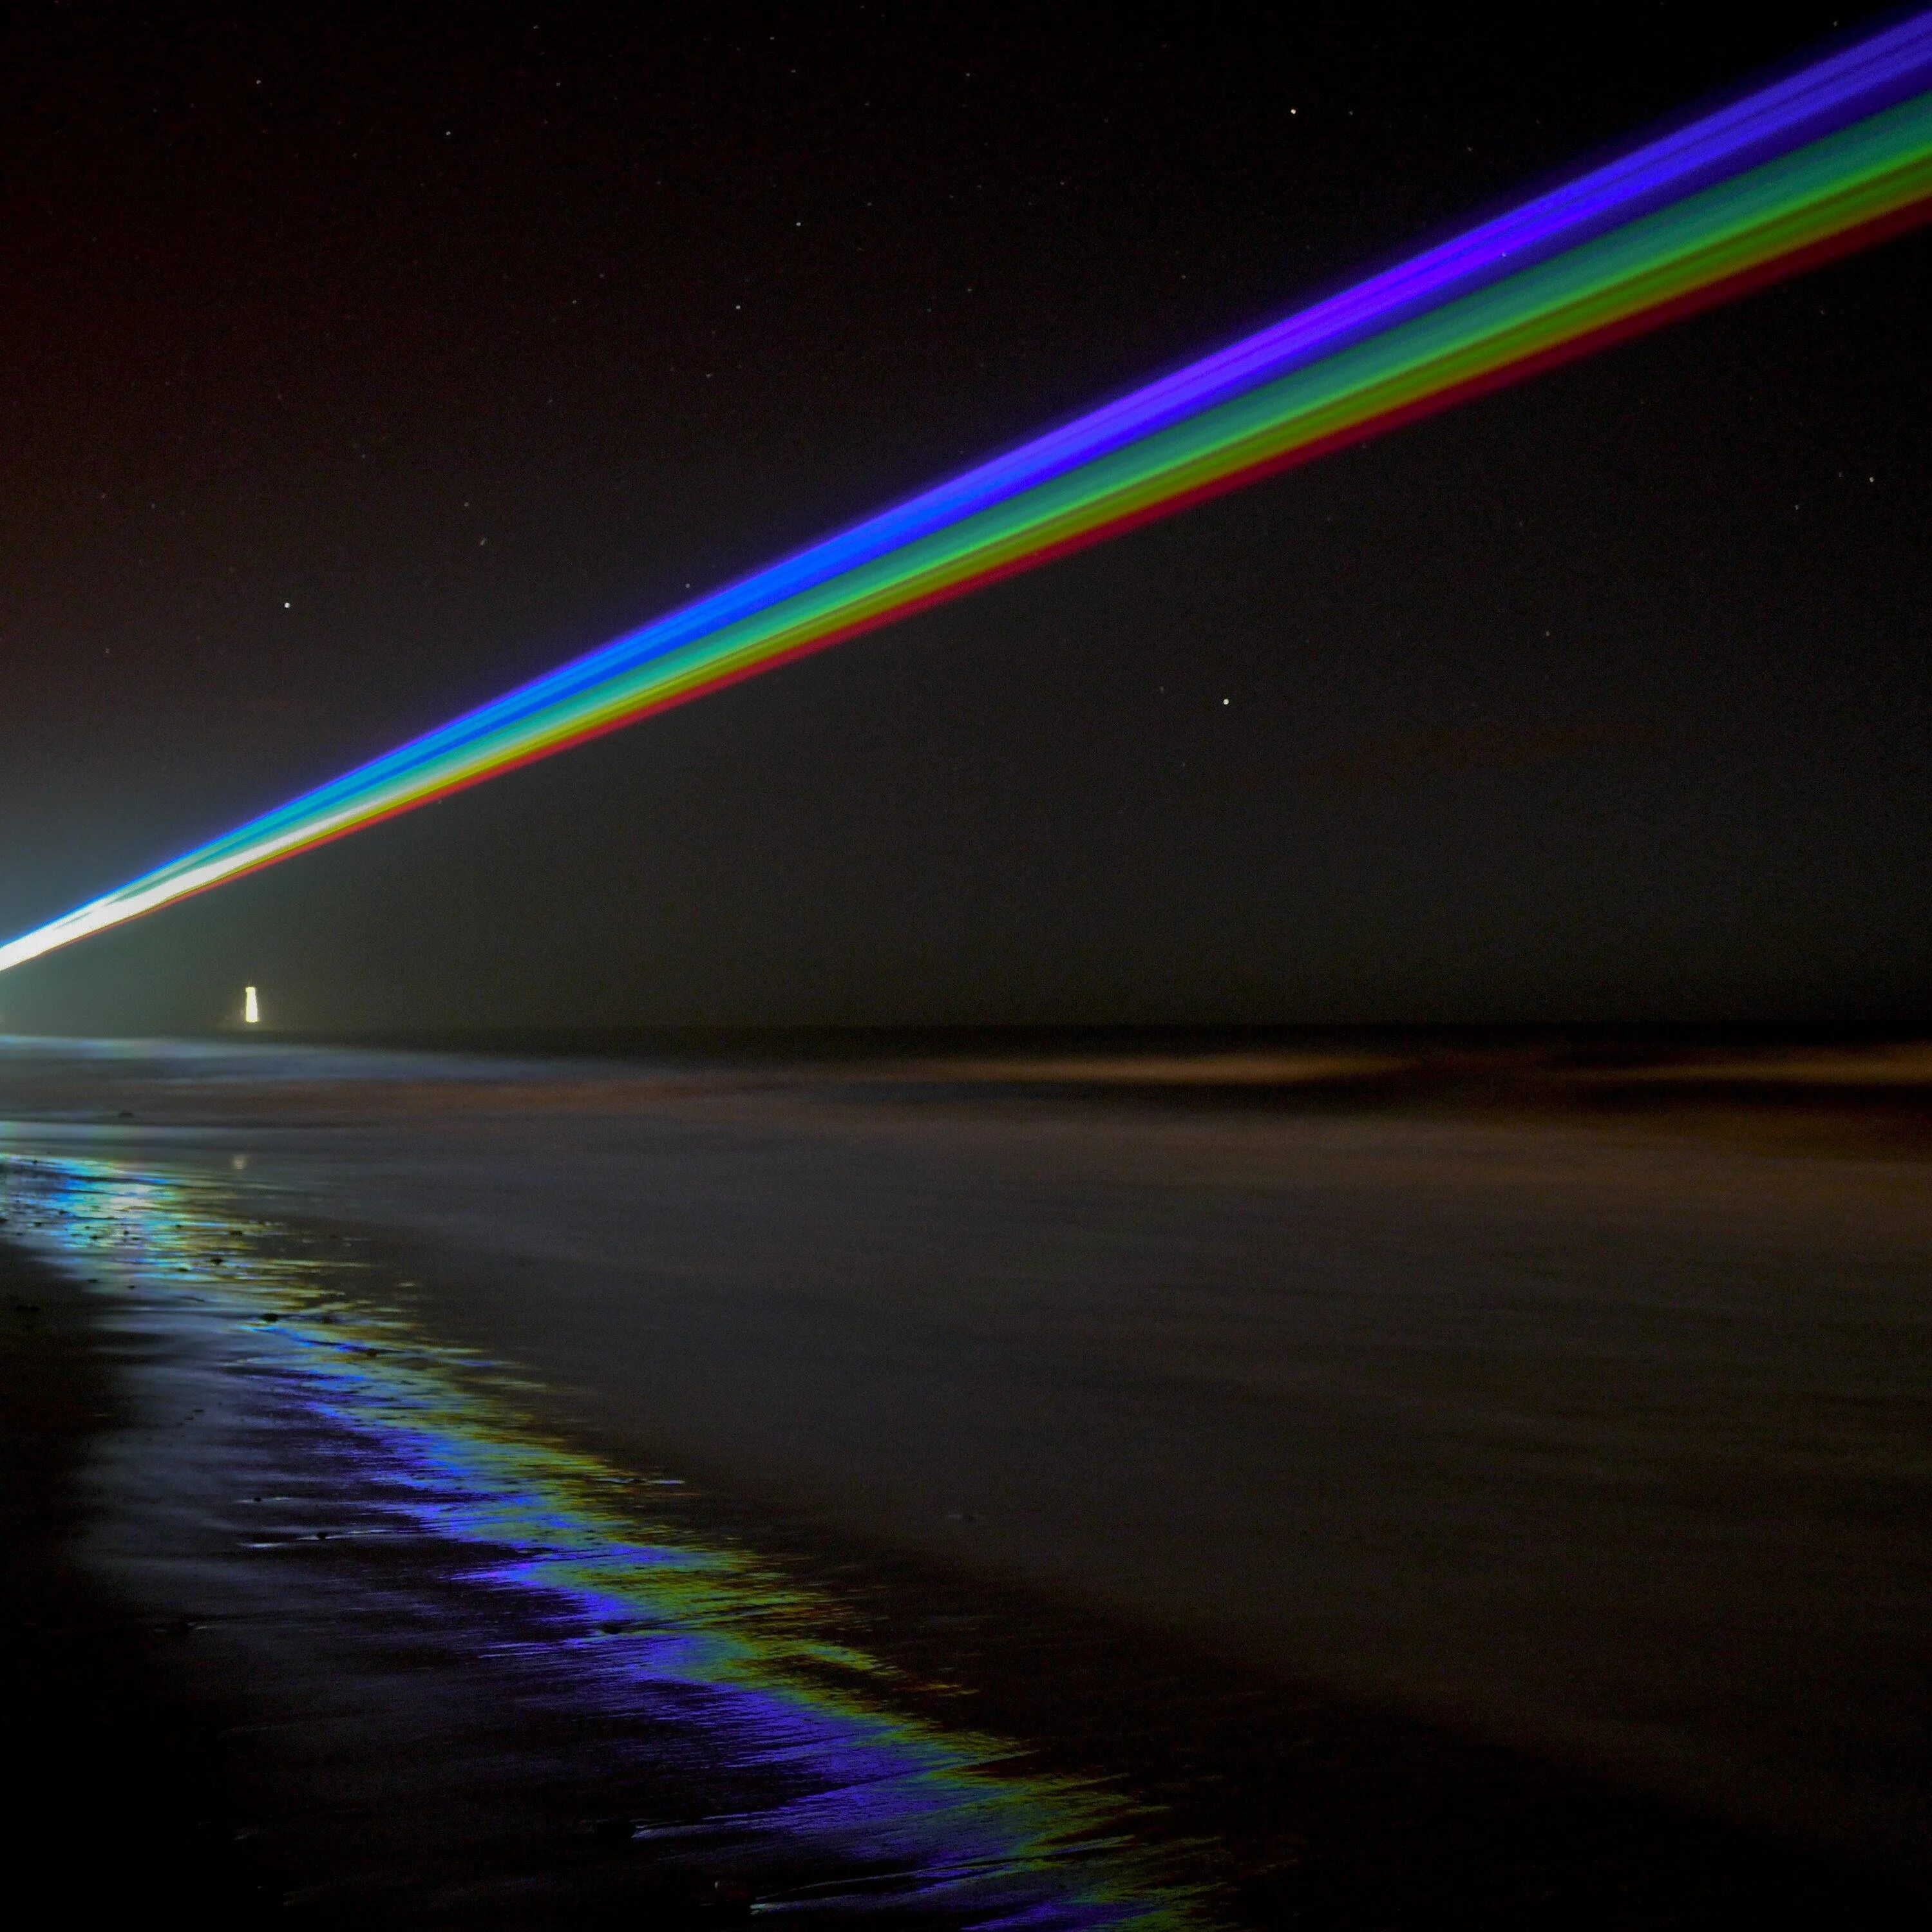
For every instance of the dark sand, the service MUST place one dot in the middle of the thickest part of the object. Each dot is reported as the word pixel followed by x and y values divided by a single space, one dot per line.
pixel 1336 1467
pixel 120 1801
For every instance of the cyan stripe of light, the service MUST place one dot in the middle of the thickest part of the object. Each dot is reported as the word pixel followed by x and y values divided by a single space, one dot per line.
pixel 1837 152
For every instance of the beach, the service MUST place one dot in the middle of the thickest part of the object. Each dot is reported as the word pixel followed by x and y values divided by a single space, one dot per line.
pixel 1449 1494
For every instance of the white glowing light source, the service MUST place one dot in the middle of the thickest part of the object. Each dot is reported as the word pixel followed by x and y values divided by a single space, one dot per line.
pixel 251 1007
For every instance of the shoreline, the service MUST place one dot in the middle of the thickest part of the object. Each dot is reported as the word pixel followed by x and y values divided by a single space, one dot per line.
pixel 1249 1460
pixel 1327 1813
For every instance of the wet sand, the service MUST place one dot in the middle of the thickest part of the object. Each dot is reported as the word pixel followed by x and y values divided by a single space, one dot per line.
pixel 1388 1458
pixel 119 1793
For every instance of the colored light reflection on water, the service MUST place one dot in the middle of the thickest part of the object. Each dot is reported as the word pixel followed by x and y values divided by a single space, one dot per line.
pixel 838 1796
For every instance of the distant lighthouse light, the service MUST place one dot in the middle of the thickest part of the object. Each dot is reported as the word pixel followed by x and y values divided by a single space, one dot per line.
pixel 251 1007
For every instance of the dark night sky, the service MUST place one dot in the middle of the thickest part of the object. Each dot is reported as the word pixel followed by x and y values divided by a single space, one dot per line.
pixel 360 368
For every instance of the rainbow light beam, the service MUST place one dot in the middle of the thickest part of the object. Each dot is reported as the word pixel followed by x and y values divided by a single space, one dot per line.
pixel 1833 158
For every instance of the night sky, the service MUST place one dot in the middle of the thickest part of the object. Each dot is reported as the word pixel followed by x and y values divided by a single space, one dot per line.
pixel 362 367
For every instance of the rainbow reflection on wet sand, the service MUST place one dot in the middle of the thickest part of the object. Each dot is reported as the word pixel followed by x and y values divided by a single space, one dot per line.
pixel 303 1455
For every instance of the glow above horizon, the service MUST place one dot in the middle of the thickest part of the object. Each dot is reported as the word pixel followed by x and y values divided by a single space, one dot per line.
pixel 1833 158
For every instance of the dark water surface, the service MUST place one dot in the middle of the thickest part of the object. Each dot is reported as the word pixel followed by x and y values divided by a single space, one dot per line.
pixel 922 1496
